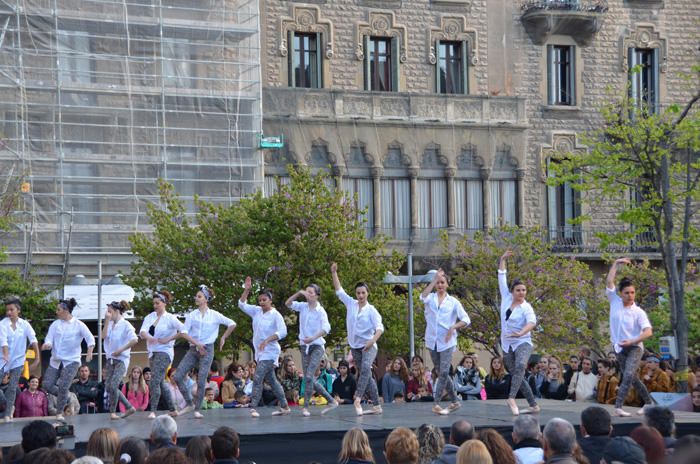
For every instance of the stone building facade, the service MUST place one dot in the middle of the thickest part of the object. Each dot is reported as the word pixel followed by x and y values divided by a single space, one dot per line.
pixel 442 114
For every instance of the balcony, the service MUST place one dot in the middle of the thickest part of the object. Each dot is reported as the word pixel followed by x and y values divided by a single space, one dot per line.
pixel 580 19
pixel 392 107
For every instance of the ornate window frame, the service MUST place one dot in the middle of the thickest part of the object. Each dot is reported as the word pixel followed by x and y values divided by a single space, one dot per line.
pixel 307 19
pixel 454 29
pixel 382 24
pixel 644 35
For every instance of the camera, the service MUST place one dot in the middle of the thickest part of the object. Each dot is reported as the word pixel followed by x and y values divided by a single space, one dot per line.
pixel 64 430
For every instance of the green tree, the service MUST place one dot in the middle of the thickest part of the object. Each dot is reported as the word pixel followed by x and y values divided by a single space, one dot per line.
pixel 284 242
pixel 570 309
pixel 645 164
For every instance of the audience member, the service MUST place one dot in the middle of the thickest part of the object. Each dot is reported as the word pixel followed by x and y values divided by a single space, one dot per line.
pixel 654 378
pixel 355 448
pixel 87 390
pixel 571 369
pixel 431 442
pixel 583 383
pixel 167 456
pixel 473 452
pixel 131 450
pixel 554 387
pixel 290 380
pixel 401 447
pixel 498 447
pixel 468 379
pixel 228 386
pixel 695 398
pixel 497 383
pixel 394 379
pixel 225 446
pixel 662 419
pixel 164 432
pixel 344 385
pixel 103 444
pixel 209 400
pixel 198 450
pixel 538 377
pixel 418 388
pixel 32 402
pixel 460 432
pixel 90 460
pixel 596 428
pixel 623 450
pixel 49 455
pixel 135 390
pixel 607 383
pixel 651 442
pixel 15 454
pixel 38 434
pixel 559 442
pixel 527 440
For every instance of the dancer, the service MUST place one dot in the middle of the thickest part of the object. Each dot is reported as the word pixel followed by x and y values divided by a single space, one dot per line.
pixel 268 329
pixel 63 339
pixel 517 321
pixel 202 325
pixel 444 316
pixel 119 336
pixel 313 326
pixel 159 329
pixel 14 335
pixel 364 325
pixel 629 327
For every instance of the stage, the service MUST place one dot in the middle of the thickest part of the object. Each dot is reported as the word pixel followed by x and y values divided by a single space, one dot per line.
pixel 296 439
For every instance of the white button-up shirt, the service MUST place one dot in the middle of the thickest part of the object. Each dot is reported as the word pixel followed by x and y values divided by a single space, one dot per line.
pixel 167 326
pixel 65 338
pixel 626 323
pixel 119 334
pixel 311 322
pixel 439 317
pixel 361 323
pixel 265 324
pixel 520 316
pixel 204 327
pixel 16 341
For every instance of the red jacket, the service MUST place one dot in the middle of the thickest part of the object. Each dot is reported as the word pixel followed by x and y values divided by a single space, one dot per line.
pixel 30 404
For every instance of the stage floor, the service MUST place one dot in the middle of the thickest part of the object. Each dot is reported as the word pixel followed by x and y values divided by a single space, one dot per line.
pixel 276 439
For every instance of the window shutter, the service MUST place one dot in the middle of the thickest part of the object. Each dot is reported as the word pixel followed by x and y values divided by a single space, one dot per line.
pixel 395 48
pixel 655 100
pixel 572 76
pixel 551 86
pixel 319 61
pixel 465 67
pixel 290 59
pixel 368 73
pixel 633 77
pixel 438 86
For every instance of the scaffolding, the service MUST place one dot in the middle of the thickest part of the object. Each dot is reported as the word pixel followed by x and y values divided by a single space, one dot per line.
pixel 100 98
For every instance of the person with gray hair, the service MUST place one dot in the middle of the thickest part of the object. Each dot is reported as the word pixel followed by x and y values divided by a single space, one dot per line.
pixel 460 432
pixel 164 432
pixel 559 442
pixel 526 439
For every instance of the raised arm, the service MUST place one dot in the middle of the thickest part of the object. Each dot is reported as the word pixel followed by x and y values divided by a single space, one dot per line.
pixel 292 298
pixel 426 291
pixel 334 275
pixel 502 274
pixel 246 290
pixel 610 281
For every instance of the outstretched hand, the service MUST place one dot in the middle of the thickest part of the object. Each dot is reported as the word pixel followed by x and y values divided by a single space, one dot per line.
pixel 507 254
pixel 334 268
pixel 248 283
pixel 623 261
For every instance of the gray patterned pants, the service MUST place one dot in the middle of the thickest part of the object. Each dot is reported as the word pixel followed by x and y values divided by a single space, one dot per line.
pixel 58 382
pixel 115 372
pixel 266 371
pixel 365 381
pixel 159 365
pixel 310 363
pixel 628 359
pixel 191 360
pixel 516 363
pixel 443 360
pixel 11 392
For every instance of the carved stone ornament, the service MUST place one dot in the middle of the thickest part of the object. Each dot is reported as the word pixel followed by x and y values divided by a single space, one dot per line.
pixel 306 19
pixel 395 156
pixel 382 24
pixel 644 36
pixel 453 29
pixel 319 156
pixel 468 160
pixel 562 143
pixel 358 156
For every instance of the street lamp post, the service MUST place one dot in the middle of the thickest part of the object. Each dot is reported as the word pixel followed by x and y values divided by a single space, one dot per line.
pixel 409 280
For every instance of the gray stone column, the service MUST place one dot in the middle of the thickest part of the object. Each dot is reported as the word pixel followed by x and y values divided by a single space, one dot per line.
pixel 520 176
pixel 450 175
pixel 376 173
pixel 338 173
pixel 486 195
pixel 413 174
